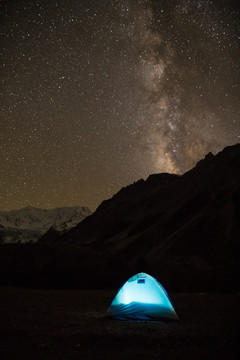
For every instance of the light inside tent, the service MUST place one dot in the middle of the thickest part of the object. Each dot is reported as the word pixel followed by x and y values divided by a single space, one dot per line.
pixel 142 298
pixel 142 289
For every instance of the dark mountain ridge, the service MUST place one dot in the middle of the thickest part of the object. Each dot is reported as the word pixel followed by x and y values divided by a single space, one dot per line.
pixel 185 230
pixel 167 202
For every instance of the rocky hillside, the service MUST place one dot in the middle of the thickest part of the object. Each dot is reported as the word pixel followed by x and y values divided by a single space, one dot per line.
pixel 185 230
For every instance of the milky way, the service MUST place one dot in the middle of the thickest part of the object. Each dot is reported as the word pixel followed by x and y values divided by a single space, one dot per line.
pixel 98 94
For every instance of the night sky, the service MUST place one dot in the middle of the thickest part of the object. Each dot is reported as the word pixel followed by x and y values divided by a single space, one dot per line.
pixel 97 94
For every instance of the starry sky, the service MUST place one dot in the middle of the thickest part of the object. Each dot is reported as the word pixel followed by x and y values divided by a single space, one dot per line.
pixel 96 94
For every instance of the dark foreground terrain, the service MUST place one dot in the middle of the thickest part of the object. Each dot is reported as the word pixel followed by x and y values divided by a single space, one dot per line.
pixel 69 324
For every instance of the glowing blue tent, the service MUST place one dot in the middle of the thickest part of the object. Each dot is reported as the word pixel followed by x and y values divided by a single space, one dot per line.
pixel 142 297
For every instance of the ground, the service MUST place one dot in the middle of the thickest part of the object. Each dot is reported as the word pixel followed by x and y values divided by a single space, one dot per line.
pixel 70 324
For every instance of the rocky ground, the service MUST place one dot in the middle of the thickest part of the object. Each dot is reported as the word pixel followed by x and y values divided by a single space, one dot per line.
pixel 70 324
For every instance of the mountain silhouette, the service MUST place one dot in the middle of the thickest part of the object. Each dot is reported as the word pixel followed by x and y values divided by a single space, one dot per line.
pixel 185 230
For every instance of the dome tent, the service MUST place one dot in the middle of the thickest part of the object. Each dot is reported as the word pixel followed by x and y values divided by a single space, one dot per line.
pixel 142 297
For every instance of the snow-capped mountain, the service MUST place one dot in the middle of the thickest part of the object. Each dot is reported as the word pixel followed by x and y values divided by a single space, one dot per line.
pixel 29 223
